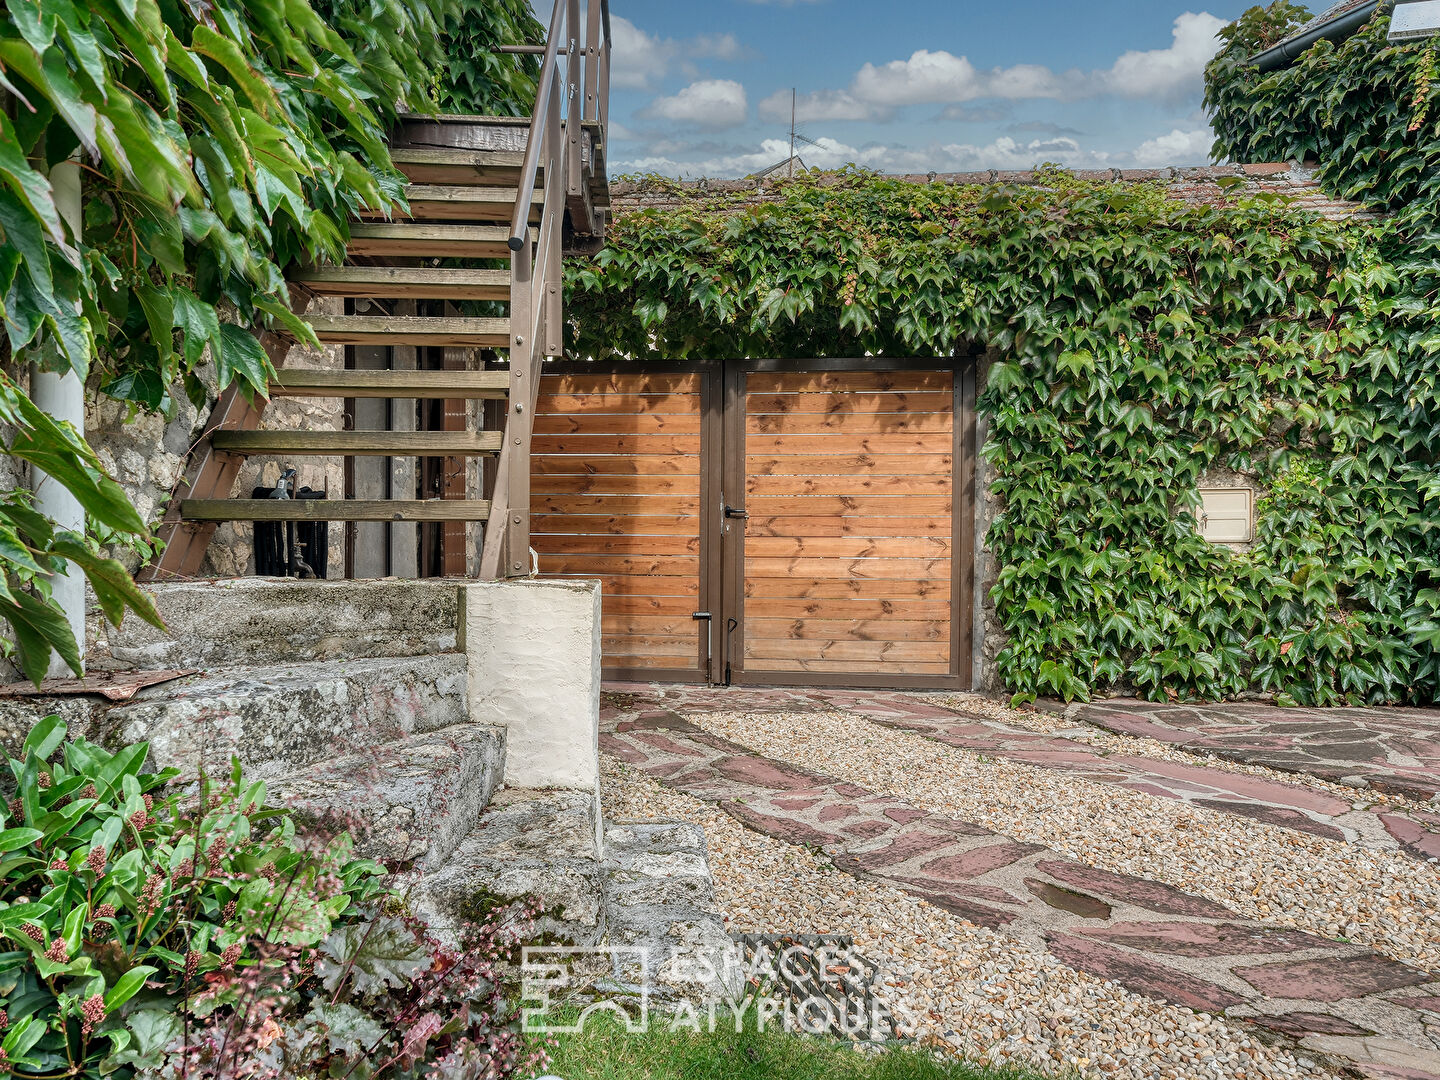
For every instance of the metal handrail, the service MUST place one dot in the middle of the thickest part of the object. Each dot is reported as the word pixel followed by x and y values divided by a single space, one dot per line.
pixel 588 68
pixel 519 221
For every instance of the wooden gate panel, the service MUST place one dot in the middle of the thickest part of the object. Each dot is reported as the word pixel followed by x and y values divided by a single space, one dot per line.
pixel 848 549
pixel 615 495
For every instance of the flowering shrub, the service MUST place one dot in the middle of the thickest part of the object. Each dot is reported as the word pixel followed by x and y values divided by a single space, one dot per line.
pixel 162 929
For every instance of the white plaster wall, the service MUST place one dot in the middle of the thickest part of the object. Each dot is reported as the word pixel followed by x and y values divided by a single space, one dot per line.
pixel 534 669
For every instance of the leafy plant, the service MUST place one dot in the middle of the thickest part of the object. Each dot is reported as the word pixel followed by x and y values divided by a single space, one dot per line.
pixel 219 144
pixel 124 896
pixel 1139 342
pixel 188 930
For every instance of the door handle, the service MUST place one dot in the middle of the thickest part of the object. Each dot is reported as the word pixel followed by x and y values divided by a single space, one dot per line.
pixel 736 512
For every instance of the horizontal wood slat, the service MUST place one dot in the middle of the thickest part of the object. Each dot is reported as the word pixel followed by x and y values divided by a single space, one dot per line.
pixel 374 443
pixel 335 509
pixel 406 282
pixel 850 382
pixel 457 202
pixel 411 239
pixel 615 465
pixel 357 383
pixel 838 669
pixel 850 607
pixel 615 525
pixel 884 569
pixel 410 330
pixel 846 649
pixel 848 547
pixel 801 526
pixel 841 588
pixel 931 465
pixel 622 385
pixel 558 543
pixel 835 444
pixel 881 630
pixel 848 423
pixel 623 505
pixel 616 404
pixel 591 445
pixel 849 404
pixel 852 484
pixel 618 424
pixel 569 483
pixel 861 505
pixel 436 165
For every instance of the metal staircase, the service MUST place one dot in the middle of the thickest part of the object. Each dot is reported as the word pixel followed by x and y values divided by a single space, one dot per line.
pixel 481 189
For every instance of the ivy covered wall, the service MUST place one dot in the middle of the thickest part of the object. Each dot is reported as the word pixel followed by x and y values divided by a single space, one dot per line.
pixel 1143 342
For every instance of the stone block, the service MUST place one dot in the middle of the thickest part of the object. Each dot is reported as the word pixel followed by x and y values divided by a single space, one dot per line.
pixel 528 843
pixel 410 801
pixel 270 621
pixel 276 720
pixel 534 655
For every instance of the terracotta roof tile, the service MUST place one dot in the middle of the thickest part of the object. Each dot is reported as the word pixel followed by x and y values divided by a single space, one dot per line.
pixel 1199 185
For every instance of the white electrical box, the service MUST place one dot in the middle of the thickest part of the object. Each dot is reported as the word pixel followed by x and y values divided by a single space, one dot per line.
pixel 1414 19
pixel 1227 515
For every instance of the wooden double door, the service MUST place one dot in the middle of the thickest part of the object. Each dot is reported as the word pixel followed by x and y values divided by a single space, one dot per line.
pixel 798 522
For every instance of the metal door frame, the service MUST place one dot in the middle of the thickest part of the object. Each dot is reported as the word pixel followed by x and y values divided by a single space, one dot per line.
pixel 962 563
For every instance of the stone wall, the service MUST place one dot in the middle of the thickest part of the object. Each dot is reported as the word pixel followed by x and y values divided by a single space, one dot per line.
pixel 147 453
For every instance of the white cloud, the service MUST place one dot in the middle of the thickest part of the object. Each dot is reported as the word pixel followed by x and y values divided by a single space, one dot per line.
pixel 1168 73
pixel 940 77
pixel 716 47
pixel 639 60
pixel 709 103
pixel 828 153
pixel 1177 148
pixel 821 105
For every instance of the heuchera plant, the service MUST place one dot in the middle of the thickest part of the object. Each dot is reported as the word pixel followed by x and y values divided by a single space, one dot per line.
pixel 166 929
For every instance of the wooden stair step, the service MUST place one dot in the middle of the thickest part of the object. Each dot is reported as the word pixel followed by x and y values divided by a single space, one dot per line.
pixel 335 509
pixel 406 282
pixel 402 239
pixel 449 165
pixel 458 202
pixel 359 443
pixel 307 382
pixel 410 330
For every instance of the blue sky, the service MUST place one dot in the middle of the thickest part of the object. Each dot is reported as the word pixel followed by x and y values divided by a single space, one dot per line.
pixel 702 87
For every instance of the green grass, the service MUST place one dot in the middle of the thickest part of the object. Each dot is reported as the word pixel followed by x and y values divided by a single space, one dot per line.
pixel 605 1051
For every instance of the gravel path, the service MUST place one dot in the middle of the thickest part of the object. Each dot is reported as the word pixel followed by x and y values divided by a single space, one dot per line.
pixel 981 992
pixel 1050 723
pixel 1386 900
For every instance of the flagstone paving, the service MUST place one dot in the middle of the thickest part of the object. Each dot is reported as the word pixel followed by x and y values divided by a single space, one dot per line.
pixel 1390 750
pixel 1292 805
pixel 1330 996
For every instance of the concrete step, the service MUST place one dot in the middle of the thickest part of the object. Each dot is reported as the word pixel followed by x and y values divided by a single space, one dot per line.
pixel 279 719
pixel 408 802
pixel 279 622
pixel 528 843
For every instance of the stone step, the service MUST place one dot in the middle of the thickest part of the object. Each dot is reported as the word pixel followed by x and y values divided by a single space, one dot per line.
pixel 279 719
pixel 409 802
pixel 528 843
pixel 279 622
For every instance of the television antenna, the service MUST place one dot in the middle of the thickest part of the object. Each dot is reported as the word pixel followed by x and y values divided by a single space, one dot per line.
pixel 794 135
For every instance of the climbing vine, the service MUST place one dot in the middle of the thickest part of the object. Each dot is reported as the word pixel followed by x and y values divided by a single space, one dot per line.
pixel 1140 342
pixel 220 143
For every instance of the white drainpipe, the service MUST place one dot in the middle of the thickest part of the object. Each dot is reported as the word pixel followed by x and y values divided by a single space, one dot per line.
pixel 63 397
